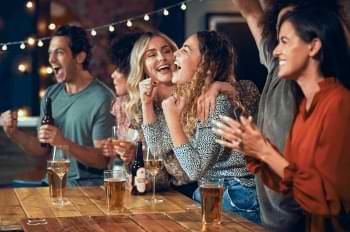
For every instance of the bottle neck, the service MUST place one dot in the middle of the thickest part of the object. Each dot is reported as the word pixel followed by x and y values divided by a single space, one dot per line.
pixel 139 152
pixel 48 107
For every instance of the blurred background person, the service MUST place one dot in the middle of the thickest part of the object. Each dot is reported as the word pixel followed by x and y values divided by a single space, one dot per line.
pixel 121 50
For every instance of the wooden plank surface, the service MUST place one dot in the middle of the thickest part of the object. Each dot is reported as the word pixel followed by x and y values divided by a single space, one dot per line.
pixel 158 223
pixel 117 223
pixel 181 200
pixel 88 212
pixel 11 210
pixel 135 204
pixel 191 219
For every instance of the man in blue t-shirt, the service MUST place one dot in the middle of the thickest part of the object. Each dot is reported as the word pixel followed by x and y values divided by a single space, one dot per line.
pixel 80 107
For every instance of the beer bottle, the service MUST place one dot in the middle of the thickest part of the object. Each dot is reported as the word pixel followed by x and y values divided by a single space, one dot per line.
pixel 138 172
pixel 47 119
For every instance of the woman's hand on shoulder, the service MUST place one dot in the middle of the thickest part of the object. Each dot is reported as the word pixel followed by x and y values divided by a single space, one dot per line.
pixel 207 101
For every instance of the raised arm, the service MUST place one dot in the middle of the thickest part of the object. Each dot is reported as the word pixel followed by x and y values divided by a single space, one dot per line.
pixel 27 142
pixel 252 11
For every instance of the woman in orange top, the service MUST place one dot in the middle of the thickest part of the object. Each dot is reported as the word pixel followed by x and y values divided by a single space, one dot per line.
pixel 312 51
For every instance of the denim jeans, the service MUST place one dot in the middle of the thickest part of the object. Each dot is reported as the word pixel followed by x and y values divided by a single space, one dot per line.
pixel 238 199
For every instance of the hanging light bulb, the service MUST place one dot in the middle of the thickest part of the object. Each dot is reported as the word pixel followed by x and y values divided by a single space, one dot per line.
pixel 93 32
pixel 4 47
pixel 31 41
pixel 146 17
pixel 22 46
pixel 165 12
pixel 183 6
pixel 40 43
pixel 129 23
pixel 111 28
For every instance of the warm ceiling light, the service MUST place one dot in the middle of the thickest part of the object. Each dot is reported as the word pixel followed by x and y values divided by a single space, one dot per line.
pixel 31 41
pixel 22 68
pixel 49 70
pixel 52 26
pixel 146 17
pixel 40 43
pixel 42 93
pixel 111 28
pixel 29 5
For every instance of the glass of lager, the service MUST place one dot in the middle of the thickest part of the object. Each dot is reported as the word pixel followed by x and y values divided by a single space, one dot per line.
pixel 211 199
pixel 115 184
pixel 57 171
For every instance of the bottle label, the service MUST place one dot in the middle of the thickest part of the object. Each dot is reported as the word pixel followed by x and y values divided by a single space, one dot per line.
pixel 140 180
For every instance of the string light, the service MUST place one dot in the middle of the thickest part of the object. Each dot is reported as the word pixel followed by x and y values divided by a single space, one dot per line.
pixel 93 31
pixel 31 41
pixel 165 12
pixel 111 28
pixel 129 23
pixel 40 43
pixel 146 17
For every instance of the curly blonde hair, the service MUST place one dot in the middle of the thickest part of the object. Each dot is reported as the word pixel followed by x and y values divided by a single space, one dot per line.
pixel 217 64
pixel 137 74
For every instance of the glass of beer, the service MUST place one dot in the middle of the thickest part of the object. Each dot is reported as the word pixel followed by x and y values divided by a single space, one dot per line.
pixel 211 200
pixel 123 139
pixel 57 171
pixel 115 184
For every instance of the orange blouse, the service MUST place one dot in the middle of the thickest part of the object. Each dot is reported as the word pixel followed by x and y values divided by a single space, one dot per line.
pixel 318 152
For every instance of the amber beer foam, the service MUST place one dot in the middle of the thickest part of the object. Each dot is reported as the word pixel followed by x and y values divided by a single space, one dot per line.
pixel 115 190
pixel 56 169
pixel 211 200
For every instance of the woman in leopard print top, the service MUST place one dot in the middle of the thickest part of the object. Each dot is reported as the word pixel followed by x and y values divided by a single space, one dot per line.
pixel 205 57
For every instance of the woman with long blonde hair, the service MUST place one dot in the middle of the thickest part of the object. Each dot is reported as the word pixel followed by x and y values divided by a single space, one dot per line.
pixel 205 58
pixel 151 62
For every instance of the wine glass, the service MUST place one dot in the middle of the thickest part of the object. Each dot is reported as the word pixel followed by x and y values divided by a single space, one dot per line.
pixel 57 171
pixel 153 164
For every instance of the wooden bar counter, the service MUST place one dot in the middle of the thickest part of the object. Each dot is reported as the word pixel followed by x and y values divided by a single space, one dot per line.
pixel 87 211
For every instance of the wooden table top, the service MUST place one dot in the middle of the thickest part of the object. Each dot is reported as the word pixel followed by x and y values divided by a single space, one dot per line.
pixel 87 211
